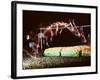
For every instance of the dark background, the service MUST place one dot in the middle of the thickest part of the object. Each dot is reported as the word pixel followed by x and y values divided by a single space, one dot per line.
pixel 33 20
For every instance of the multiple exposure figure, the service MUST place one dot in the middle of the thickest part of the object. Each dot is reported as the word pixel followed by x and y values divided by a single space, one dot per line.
pixel 47 35
pixel 57 28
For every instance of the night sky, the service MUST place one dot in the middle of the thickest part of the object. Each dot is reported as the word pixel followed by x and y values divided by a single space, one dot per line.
pixel 33 19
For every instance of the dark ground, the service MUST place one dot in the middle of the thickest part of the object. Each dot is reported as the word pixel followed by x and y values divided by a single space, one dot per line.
pixel 55 62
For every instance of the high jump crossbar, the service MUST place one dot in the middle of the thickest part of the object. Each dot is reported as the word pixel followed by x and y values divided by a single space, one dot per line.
pixel 65 27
